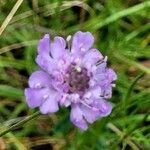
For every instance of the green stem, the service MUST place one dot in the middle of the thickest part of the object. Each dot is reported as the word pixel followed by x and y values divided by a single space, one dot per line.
pixel 15 126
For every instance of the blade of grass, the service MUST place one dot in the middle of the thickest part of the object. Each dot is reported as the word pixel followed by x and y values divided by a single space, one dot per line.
pixel 18 144
pixel 10 16
pixel 17 46
pixel 22 122
pixel 123 136
pixel 98 22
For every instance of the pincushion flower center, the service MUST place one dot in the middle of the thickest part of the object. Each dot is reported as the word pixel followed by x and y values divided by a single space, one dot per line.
pixel 78 79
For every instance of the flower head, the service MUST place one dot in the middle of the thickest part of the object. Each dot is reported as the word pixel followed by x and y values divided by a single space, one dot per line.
pixel 75 77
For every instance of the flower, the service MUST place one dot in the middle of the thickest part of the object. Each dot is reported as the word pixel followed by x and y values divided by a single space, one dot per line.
pixel 73 76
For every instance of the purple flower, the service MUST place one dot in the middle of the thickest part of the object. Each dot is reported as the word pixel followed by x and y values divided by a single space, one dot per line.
pixel 75 77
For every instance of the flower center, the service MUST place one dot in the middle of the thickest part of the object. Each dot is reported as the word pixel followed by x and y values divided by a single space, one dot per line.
pixel 78 79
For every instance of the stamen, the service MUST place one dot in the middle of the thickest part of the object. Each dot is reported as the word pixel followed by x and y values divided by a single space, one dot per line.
pixel 78 69
pixel 68 39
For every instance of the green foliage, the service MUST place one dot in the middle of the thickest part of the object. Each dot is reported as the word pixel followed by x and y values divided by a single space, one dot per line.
pixel 121 30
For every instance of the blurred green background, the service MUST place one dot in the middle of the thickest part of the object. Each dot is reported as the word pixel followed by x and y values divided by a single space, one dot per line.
pixel 122 32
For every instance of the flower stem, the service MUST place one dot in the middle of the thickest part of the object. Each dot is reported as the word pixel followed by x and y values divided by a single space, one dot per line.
pixel 18 124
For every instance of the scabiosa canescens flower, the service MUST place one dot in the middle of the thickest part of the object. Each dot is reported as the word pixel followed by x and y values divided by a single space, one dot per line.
pixel 75 76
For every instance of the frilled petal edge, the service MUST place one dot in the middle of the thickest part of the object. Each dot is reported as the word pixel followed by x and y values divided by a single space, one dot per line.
pixel 82 41
pixel 76 117
pixel 44 45
pixel 39 79
pixel 58 47
pixel 35 97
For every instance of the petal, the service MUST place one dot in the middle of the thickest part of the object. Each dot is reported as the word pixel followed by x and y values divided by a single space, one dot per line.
pixel 108 92
pixel 103 106
pixel 64 100
pixel 35 97
pixel 92 56
pixel 51 103
pixel 111 75
pixel 44 59
pixel 89 114
pixel 101 68
pixel 46 63
pixel 39 79
pixel 58 47
pixel 100 78
pixel 76 117
pixel 105 78
pixel 82 41
pixel 95 91
pixel 44 45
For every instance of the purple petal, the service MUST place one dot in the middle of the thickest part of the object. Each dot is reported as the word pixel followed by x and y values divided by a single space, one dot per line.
pixel 111 75
pixel 44 59
pixel 94 92
pixel 92 56
pixel 39 79
pixel 103 106
pixel 101 79
pixel 76 117
pixel 64 100
pixel 58 47
pixel 101 68
pixel 44 45
pixel 51 103
pixel 82 41
pixel 35 97
pixel 46 63
pixel 89 114
pixel 107 92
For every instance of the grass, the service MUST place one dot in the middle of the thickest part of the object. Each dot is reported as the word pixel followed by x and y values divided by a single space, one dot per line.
pixel 121 30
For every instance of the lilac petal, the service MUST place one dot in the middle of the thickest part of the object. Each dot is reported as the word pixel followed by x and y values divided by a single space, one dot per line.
pixel 94 92
pixel 105 78
pixel 44 59
pixel 108 92
pixel 58 47
pixel 82 41
pixel 35 97
pixel 89 114
pixel 64 100
pixel 51 103
pixel 92 56
pixel 46 63
pixel 101 68
pixel 44 45
pixel 39 79
pixel 76 117
pixel 100 79
pixel 104 107
pixel 111 75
